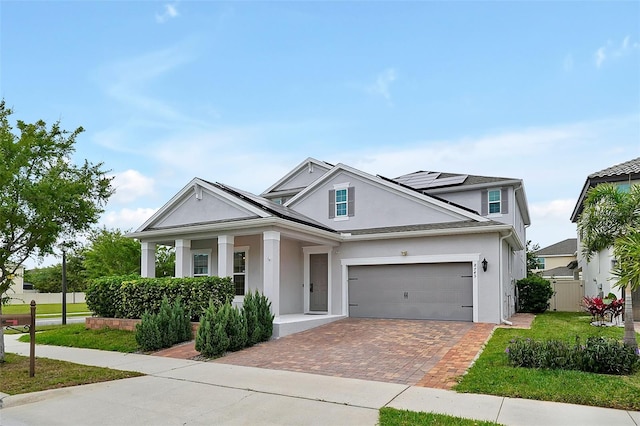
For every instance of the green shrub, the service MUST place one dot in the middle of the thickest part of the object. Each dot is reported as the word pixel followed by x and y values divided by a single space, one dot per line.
pixel 265 317
pixel 597 355
pixel 164 329
pixel 236 329
pixel 250 313
pixel 534 293
pixel 212 340
pixel 132 296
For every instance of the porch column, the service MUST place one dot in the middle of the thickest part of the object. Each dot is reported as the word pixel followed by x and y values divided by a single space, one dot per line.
pixel 148 262
pixel 183 258
pixel 225 255
pixel 271 262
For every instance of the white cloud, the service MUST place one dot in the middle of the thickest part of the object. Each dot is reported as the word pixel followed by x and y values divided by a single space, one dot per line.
pixel 382 84
pixel 131 185
pixel 610 50
pixel 551 219
pixel 170 12
pixel 126 219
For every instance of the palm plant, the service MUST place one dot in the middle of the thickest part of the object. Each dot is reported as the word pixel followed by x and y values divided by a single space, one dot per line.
pixel 611 218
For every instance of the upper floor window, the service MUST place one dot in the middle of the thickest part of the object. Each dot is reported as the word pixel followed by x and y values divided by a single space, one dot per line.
pixel 624 187
pixel 494 201
pixel 539 262
pixel 342 202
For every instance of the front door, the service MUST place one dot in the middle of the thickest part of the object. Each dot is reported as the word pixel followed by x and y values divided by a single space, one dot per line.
pixel 318 282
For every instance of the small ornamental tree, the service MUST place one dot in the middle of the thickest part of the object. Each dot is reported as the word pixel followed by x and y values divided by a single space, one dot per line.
pixel 45 196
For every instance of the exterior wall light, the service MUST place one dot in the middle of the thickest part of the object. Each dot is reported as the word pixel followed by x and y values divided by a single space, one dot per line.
pixel 484 265
pixel 403 252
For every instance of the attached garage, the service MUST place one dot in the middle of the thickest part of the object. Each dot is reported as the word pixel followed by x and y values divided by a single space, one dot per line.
pixel 435 291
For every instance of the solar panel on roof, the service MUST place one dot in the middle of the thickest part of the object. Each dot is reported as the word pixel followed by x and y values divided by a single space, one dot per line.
pixel 453 180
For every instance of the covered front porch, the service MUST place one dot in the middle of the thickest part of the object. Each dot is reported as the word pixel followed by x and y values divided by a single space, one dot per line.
pixel 291 268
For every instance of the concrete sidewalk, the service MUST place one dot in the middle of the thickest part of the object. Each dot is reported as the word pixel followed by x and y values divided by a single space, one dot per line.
pixel 191 392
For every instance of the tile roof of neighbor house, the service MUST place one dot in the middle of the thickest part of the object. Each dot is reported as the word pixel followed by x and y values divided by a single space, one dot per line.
pixel 623 169
pixel 617 173
pixel 567 247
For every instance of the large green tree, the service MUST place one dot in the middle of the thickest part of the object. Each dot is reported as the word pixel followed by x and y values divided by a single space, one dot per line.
pixel 45 196
pixel 110 252
pixel 49 278
pixel 611 218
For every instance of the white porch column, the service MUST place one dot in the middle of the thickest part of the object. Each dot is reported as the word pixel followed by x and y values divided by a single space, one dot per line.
pixel 148 262
pixel 271 262
pixel 183 258
pixel 225 255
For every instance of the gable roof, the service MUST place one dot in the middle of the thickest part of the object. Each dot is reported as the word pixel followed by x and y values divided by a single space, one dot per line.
pixel 394 186
pixel 567 247
pixel 629 170
pixel 424 180
pixel 560 271
pixel 309 162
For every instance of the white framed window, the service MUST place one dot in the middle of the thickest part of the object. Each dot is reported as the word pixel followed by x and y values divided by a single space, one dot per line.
pixel 494 201
pixel 201 261
pixel 342 201
pixel 240 268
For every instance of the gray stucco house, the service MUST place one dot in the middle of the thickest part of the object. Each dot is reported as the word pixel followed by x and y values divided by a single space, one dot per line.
pixel 329 241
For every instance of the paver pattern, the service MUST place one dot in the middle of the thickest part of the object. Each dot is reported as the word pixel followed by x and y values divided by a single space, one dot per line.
pixel 388 350
pixel 412 352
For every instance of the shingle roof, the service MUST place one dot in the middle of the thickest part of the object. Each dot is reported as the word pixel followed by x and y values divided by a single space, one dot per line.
pixel 423 227
pixel 425 180
pixel 567 247
pixel 627 168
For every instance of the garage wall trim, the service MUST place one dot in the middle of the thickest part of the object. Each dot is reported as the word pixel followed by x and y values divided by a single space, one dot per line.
pixel 474 258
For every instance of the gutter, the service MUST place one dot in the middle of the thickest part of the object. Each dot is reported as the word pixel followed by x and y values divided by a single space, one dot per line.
pixel 502 319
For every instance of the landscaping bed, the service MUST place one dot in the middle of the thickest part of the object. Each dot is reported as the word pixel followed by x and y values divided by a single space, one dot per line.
pixel 492 374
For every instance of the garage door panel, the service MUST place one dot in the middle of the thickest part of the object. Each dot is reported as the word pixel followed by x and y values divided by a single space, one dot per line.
pixel 413 291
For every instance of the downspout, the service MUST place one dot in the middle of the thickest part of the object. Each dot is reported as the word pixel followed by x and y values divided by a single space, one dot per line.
pixel 502 320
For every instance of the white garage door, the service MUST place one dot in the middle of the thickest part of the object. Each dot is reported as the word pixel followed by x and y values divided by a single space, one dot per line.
pixel 440 291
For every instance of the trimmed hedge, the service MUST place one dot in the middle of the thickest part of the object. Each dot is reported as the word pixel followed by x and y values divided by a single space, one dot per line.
pixel 534 293
pixel 130 296
pixel 596 355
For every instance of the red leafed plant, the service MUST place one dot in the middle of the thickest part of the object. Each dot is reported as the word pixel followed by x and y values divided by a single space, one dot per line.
pixel 599 307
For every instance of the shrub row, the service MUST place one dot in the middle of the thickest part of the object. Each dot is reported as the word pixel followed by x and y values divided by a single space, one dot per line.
pixel 169 326
pixel 534 293
pixel 228 328
pixel 130 296
pixel 597 355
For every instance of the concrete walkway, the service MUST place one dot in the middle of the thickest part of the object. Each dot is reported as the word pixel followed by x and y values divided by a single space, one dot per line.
pixel 190 392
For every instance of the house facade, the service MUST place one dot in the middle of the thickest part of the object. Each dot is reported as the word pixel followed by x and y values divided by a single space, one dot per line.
pixel 329 241
pixel 596 272
pixel 558 260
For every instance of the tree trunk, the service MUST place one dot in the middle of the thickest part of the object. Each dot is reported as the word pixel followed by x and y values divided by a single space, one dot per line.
pixel 1 338
pixel 629 331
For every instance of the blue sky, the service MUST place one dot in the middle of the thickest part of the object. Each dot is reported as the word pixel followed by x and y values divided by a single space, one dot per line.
pixel 242 92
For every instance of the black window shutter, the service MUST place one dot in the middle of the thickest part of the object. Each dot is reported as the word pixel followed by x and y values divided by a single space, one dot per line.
pixel 484 203
pixel 332 203
pixel 351 201
pixel 504 201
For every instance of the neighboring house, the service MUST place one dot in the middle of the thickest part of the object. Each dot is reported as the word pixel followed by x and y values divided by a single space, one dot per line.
pixel 558 260
pixel 18 283
pixel 597 272
pixel 329 241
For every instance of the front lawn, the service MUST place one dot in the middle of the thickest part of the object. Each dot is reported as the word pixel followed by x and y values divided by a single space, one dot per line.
pixel 491 373
pixel 51 374
pixel 393 417
pixel 77 336
pixel 47 309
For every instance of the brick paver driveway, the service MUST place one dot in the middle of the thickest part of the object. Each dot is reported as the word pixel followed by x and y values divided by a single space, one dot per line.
pixel 426 353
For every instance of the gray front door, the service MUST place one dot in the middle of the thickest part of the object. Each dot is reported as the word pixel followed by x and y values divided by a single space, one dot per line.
pixel 440 291
pixel 318 281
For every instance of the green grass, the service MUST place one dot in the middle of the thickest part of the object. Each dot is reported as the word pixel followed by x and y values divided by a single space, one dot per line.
pixel 46 309
pixel 393 417
pixel 491 373
pixel 77 336
pixel 51 374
